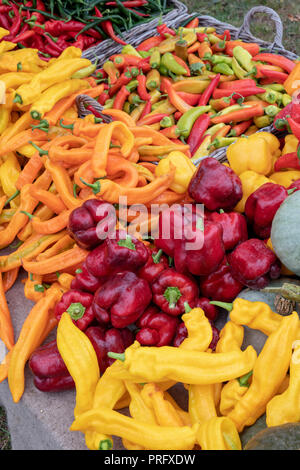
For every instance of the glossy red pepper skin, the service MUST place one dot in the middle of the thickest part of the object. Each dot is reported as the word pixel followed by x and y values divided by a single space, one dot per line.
pixel 211 311
pixel 220 285
pixel 172 289
pixel 295 127
pixel 206 95
pixel 141 88
pixel 157 262
pixel 215 185
pixel 121 300
pixel 46 361
pixel 253 264
pixel 105 340
pixel 288 160
pixel 91 223
pixel 70 300
pixel 262 205
pixel 295 185
pixel 196 135
pixel 203 253
pixel 54 384
pixel 234 227
pixel 156 328
pixel 244 91
pixel 84 280
pixel 115 256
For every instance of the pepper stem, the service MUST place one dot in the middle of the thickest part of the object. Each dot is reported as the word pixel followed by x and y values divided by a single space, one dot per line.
pixel 12 197
pixel 66 126
pixel 172 294
pixel 113 355
pixel 243 381
pixel 18 99
pixel 76 310
pixel 225 305
pixel 287 290
pixel 39 149
pixel 28 214
pixel 95 186
pixel 127 243
pixel 35 115
pixel 187 308
pixel 156 258
pixel 105 444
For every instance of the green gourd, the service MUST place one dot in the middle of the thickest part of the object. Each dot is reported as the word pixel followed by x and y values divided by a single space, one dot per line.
pixel 284 437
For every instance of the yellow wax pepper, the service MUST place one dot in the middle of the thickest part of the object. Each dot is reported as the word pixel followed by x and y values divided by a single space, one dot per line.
pixel 164 413
pixel 81 361
pixel 203 150
pixel 250 153
pixel 290 144
pixel 9 173
pixel 24 60
pixel 4 118
pixel 285 408
pixel 269 372
pixel 250 182
pixel 285 178
pixel 218 433
pixel 14 80
pixel 185 169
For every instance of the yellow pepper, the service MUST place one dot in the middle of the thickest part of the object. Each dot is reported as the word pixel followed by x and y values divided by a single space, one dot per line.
pixel 6 46
pixel 290 144
pixel 203 149
pixel 28 59
pixel 4 118
pixel 153 80
pixel 27 150
pixel 251 181
pixel 285 408
pixel 269 372
pixel 218 433
pixel 3 32
pixel 250 153
pixel 168 45
pixel 164 413
pixel 81 361
pixel 14 80
pixel 9 173
pixel 185 170
pixel 285 178
pixel 33 288
pixel 291 84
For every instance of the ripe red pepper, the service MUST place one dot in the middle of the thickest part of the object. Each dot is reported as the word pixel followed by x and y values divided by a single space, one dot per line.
pixel 244 91
pixel 196 135
pixel 211 311
pixel 108 28
pixel 287 161
pixel 295 127
pixel 91 223
pixel 252 47
pixel 171 290
pixel 46 361
pixel 157 262
pixel 164 30
pixel 84 280
pixel 193 23
pixel 141 88
pixel 262 205
pixel 121 300
pixel 121 97
pixel 235 85
pixel 201 253
pixel 294 186
pixel 253 264
pixel 122 253
pixel 206 95
pixel 105 340
pixel 221 285
pixel 190 98
pixel 124 79
pixel 234 227
pixel 276 76
pixel 156 328
pixel 79 306
pixel 54 384
pixel 275 59
pixel 149 43
pixel 215 185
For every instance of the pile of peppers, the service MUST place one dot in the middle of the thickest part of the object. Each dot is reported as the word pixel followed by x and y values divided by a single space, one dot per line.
pixel 198 86
pixel 51 26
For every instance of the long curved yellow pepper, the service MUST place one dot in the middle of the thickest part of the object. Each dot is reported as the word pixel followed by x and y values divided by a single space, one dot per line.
pixel 199 330
pixel 269 372
pixel 150 436
pixel 185 170
pixel 219 433
pixel 250 153
pixel 9 174
pixel 251 181
pixel 165 414
pixel 81 361
pixel 285 408
pixel 290 144
pixel 153 364
pixel 14 80
pixel 285 178
pixel 4 118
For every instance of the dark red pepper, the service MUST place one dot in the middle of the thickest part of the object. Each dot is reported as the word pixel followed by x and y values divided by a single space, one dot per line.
pixel 79 306
pixel 295 185
pixel 46 361
pixel 172 290
pixel 262 205
pixel 211 311
pixel 253 264
pixel 84 280
pixel 91 223
pixel 215 185
pixel 163 30
pixel 108 28
pixel 121 300
pixel 157 262
pixel 156 328
pixel 54 384
pixel 288 161
pixel 220 284
pixel 122 253
pixel 234 227
pixel 141 88
pixel 206 95
pixel 105 340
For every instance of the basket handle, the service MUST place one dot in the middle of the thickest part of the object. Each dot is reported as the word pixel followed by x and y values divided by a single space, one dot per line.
pixel 82 100
pixel 245 28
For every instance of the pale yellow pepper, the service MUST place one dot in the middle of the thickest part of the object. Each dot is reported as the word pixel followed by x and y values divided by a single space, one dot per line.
pixel 185 170
pixel 219 433
pixel 285 178
pixel 285 408
pixel 203 150
pixel 250 182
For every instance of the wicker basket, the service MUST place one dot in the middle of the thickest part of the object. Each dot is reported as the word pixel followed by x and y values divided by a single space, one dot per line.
pixel 137 34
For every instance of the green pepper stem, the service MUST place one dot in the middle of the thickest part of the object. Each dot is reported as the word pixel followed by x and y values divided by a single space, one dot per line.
pixel 172 294
pixel 95 186
pixel 18 99
pixel 12 197
pixel 76 310
pixel 187 308
pixel 39 149
pixel 28 214
pixel 225 305
pixel 105 444
pixel 243 381
pixel 287 290
pixel 66 126
pixel 127 243
pixel 113 355
pixel 156 258
pixel 35 115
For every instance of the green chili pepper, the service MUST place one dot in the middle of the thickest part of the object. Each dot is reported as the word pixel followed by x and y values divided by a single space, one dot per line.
pixel 155 59
pixel 223 68
pixel 243 57
pixel 172 65
pixel 163 69
pixel 186 122
pixel 220 142
pixel 217 59
pixel 132 85
pixel 85 72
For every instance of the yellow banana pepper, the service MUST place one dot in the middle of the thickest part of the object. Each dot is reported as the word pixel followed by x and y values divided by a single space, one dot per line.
pixel 290 144
pixel 9 173
pixel 4 118
pixel 218 433
pixel 251 181
pixel 27 58
pixel 6 46
pixel 250 153
pixel 14 80
pixel 164 413
pixel 3 32
pixel 269 372
pixel 81 361
pixel 53 94
pixel 185 170
pixel 285 178
pixel 285 408
pixel 203 150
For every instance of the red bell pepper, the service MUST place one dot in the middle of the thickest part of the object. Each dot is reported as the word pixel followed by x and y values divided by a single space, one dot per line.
pixel 262 205
pixel 172 290
pixel 220 285
pixel 294 186
pixel 234 227
pixel 46 361
pixel 206 95
pixel 54 384
pixel 105 340
pixel 79 306
pixel 122 253
pixel 121 300
pixel 91 223
pixel 85 281
pixel 215 185
pixel 156 328
pixel 197 133
pixel 275 59
pixel 253 264
pixel 211 311
pixel 157 262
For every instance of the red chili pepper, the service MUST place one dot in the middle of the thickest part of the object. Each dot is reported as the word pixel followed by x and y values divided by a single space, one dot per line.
pixel 4 22
pixel 23 36
pixel 205 97
pixel 171 132
pixel 102 98
pixel 152 119
pixel 79 306
pixel 240 128
pixel 141 88
pixel 194 23
pixel 295 127
pixel 109 30
pixel 130 3
pixel 226 35
pixel 252 47
pixel 124 79
pixel 163 30
pixel 16 25
pixel 177 115
pixel 279 77
pixel 219 46
pixel 234 227
pixel 190 98
pixel 156 328
pixel 287 161
pixel 235 85
pixel 122 299
pixel 196 135
pixel 183 64
pixel 121 97
pixel 249 91
pixel 274 59
pixel 201 37
pixel 146 110
pixel 143 15
pixel 253 264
